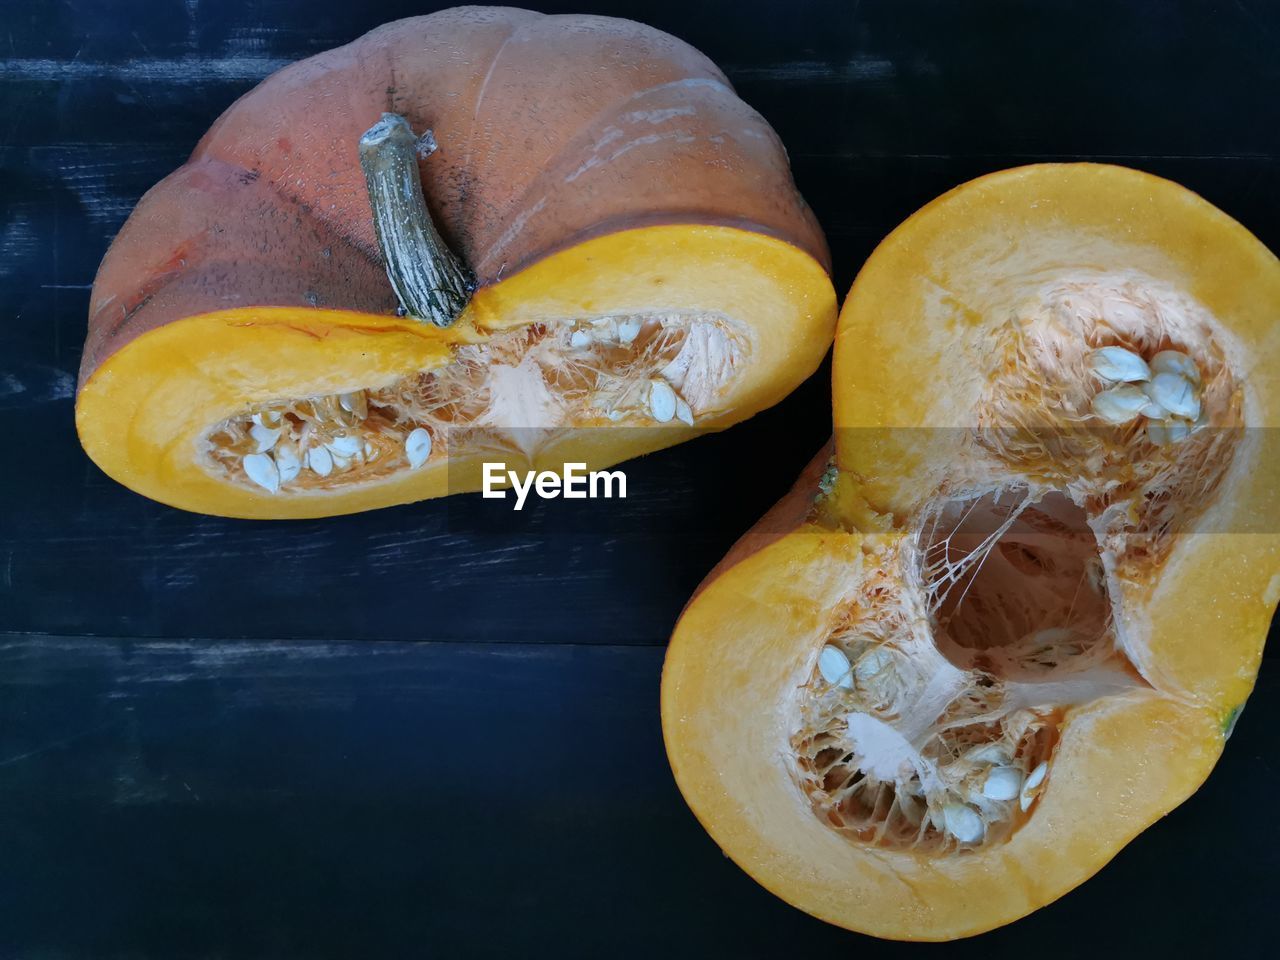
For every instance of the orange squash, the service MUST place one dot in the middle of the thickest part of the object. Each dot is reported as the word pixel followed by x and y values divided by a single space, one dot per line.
pixel 481 234
pixel 1008 619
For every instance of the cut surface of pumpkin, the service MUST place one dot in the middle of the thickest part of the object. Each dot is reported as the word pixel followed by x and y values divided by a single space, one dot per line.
pixel 1007 620
pixel 481 234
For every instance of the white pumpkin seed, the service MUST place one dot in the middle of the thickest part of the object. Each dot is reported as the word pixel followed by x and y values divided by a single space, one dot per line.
pixel 1179 430
pixel 834 667
pixel 1158 432
pixel 1003 783
pixel 268 418
pixel 320 462
pixel 662 401
pixel 872 664
pixel 1152 409
pixel 684 413
pixel 340 462
pixel 1119 404
pixel 996 753
pixel 288 463
pixel 417 447
pixel 628 330
pixel 1175 361
pixel 345 446
pixel 356 403
pixel 1027 795
pixel 1119 364
pixel 264 437
pixel 261 469
pixel 1176 394
pixel 579 338
pixel 963 823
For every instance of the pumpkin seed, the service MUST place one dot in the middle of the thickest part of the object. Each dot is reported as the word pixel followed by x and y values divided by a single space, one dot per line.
pixel 261 469
pixel 417 447
pixel 320 462
pixel 1031 786
pixel 1176 394
pixel 963 823
pixel 1119 404
pixel 1153 409
pixel 345 446
pixel 1002 783
pixel 1175 361
pixel 1118 365
pixel 356 403
pixel 628 330
pixel 288 462
pixel 872 664
pixel 996 753
pixel 662 401
pixel 834 667
pixel 264 437
pixel 684 413
pixel 579 338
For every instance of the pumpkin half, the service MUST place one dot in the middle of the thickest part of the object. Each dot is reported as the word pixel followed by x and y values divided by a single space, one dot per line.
pixel 480 234
pixel 1007 620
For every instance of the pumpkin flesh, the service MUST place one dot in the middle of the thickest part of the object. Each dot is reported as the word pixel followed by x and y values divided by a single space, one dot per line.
pixel 151 430
pixel 992 635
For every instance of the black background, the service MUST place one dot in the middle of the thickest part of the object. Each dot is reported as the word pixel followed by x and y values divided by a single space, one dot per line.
pixel 404 734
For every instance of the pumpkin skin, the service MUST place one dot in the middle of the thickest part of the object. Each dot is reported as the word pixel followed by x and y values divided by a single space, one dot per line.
pixel 587 167
pixel 934 299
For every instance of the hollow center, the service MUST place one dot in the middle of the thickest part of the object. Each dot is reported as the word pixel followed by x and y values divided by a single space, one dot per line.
pixel 509 392
pixel 1016 587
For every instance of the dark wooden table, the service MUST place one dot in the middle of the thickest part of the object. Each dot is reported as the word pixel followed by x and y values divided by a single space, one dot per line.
pixel 418 733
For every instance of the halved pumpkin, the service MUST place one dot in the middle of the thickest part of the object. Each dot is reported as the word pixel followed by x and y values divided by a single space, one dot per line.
pixel 1009 618
pixel 324 312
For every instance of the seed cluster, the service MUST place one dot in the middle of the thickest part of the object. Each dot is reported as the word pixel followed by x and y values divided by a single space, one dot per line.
pixel 630 370
pixel 1165 391
pixel 318 438
pixel 963 781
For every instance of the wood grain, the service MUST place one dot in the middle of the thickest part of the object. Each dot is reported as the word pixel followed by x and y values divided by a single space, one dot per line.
pixel 174 799
pixel 199 754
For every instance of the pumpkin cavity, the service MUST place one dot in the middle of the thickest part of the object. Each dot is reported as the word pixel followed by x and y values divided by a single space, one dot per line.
pixel 937 698
pixel 513 392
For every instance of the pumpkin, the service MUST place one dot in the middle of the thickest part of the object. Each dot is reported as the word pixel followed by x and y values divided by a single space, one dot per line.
pixel 484 234
pixel 1007 620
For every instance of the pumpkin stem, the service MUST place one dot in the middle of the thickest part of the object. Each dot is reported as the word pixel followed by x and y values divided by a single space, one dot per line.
pixel 429 279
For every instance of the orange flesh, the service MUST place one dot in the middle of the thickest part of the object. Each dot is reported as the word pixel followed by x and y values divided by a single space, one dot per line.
pixel 1022 591
pixel 146 413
